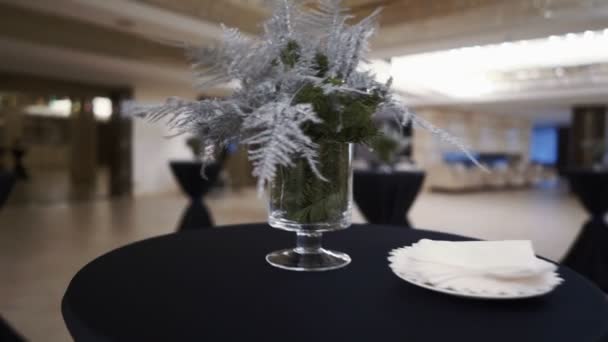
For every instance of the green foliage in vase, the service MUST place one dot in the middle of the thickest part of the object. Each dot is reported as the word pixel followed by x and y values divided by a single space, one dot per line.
pixel 302 197
pixel 345 118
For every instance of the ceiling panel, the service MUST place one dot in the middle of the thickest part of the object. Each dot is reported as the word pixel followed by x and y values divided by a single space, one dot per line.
pixel 230 13
pixel 56 31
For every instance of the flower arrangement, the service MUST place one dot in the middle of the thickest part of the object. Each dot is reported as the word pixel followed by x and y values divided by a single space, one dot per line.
pixel 300 92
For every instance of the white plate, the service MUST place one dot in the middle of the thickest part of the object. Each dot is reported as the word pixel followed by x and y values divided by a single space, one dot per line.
pixel 475 295
pixel 479 293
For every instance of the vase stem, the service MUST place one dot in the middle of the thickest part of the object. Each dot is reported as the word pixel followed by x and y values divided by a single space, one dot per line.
pixel 308 242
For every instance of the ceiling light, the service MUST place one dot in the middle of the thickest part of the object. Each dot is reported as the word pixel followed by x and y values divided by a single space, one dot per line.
pixel 475 71
pixel 102 108
pixel 55 108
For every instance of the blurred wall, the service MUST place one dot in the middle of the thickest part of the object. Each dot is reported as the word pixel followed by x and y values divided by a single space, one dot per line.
pixel 481 132
pixel 151 149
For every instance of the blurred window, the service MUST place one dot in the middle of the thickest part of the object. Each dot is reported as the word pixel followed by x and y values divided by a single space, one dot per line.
pixel 543 149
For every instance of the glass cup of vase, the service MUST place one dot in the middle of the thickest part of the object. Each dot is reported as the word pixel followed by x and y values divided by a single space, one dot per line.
pixel 303 203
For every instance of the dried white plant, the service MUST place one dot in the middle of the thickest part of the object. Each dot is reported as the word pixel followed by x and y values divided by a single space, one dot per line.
pixel 303 48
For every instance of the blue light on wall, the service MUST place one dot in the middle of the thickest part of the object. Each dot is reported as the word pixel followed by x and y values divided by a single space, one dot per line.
pixel 543 148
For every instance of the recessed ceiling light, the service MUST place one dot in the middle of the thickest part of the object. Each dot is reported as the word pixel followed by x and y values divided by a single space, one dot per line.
pixel 468 71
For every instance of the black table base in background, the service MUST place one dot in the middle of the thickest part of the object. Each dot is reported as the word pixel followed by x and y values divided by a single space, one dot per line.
pixel 190 180
pixel 8 334
pixel 195 216
pixel 589 253
pixel 214 285
pixel 386 198
pixel 7 182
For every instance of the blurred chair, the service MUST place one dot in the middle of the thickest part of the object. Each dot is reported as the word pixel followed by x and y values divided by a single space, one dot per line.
pixel 517 175
pixel 498 178
pixel 534 174
pixel 455 177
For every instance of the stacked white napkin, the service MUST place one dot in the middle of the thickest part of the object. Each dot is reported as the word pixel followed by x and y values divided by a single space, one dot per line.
pixel 500 268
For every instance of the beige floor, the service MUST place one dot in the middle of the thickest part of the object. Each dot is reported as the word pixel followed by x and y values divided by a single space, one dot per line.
pixel 52 185
pixel 42 246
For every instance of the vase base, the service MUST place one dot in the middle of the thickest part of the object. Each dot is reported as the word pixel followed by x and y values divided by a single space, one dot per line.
pixel 320 260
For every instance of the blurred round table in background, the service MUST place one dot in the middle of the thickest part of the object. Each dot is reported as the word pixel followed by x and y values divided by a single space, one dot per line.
pixel 589 253
pixel 386 197
pixel 189 177
pixel 215 285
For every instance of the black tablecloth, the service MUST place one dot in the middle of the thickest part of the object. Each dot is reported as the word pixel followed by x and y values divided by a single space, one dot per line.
pixel 589 253
pixel 385 198
pixel 214 285
pixel 188 176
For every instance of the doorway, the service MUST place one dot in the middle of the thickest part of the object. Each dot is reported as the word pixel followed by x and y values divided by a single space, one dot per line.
pixel 64 141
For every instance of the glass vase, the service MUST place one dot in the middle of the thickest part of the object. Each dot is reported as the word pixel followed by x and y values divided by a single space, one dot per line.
pixel 303 203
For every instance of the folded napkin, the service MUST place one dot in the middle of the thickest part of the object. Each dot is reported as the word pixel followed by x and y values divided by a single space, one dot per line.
pixel 494 267
pixel 506 259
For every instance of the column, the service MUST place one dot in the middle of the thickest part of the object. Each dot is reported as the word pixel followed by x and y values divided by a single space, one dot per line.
pixel 588 136
pixel 83 140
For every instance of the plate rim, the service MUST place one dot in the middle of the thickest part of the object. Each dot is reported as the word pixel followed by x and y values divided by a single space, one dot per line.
pixel 463 293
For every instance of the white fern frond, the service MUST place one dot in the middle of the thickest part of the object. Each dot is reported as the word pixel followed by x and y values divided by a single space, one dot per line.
pixel 279 29
pixel 363 80
pixel 277 138
pixel 350 46
pixel 325 18
pixel 223 63
pixel 213 120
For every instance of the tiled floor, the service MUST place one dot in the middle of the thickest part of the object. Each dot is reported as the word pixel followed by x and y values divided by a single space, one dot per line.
pixel 42 247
